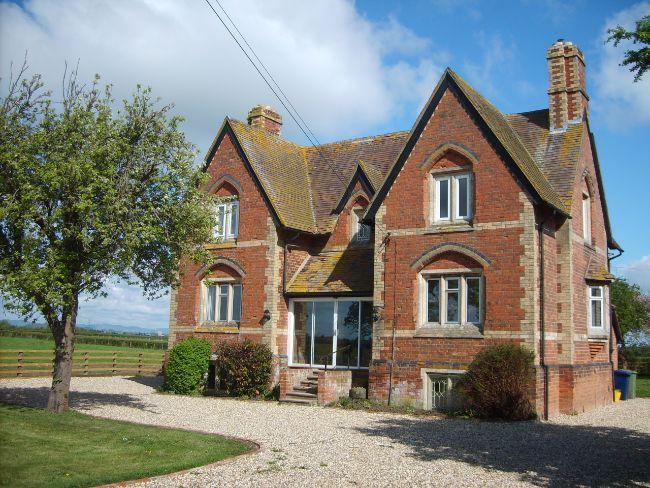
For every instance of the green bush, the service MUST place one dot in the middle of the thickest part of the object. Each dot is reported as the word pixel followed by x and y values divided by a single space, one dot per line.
pixel 187 366
pixel 244 368
pixel 498 383
pixel 358 393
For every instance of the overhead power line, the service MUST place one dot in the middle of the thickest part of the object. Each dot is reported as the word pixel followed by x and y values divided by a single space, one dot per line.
pixel 286 103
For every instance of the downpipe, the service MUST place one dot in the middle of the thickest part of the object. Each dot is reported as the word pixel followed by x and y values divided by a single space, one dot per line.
pixel 542 325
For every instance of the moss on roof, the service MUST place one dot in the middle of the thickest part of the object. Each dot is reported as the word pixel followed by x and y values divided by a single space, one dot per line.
pixel 349 272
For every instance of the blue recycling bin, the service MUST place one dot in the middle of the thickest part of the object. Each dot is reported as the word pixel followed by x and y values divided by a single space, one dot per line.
pixel 624 381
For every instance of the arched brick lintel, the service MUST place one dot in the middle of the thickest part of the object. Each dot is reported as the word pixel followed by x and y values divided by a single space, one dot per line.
pixel 449 146
pixel 223 180
pixel 224 261
pixel 431 254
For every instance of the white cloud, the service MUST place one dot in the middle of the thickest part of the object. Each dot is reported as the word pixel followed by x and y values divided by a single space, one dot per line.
pixel 620 101
pixel 330 60
pixel 467 7
pixel 125 305
pixel 334 64
pixel 637 272
pixel 496 60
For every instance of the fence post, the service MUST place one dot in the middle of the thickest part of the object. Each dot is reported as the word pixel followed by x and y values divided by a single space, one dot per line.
pixel 114 362
pixel 139 364
pixel 20 363
pixel 86 363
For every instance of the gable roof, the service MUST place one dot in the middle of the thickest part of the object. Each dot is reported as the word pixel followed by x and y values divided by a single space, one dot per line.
pixel 304 186
pixel 558 156
pixel 496 124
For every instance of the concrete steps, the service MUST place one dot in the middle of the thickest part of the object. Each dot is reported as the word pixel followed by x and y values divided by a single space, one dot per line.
pixel 304 393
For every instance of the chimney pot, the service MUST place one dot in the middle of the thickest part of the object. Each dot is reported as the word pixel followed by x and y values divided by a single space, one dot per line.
pixel 264 117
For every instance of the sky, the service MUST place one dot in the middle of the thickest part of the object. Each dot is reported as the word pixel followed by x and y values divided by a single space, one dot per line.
pixel 351 69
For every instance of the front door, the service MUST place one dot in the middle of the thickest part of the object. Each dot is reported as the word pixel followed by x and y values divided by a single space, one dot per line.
pixel 332 332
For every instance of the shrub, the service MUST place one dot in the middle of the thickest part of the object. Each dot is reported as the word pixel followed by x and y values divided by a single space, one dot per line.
pixel 498 383
pixel 244 368
pixel 187 366
pixel 358 392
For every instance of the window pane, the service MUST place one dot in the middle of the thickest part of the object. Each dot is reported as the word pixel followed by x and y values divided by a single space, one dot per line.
pixel 234 219
pixel 323 331
pixel 443 199
pixel 433 300
pixel 473 300
pixel 221 221
pixel 366 334
pixel 223 302
pixel 452 306
pixel 347 341
pixel 595 291
pixel 302 313
pixel 586 218
pixel 212 300
pixel 362 230
pixel 452 283
pixel 463 192
pixel 236 303
pixel 596 313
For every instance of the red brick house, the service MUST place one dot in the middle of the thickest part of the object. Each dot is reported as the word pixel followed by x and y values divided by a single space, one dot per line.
pixel 402 255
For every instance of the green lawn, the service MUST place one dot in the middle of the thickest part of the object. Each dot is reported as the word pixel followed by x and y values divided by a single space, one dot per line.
pixel 643 386
pixel 47 344
pixel 39 448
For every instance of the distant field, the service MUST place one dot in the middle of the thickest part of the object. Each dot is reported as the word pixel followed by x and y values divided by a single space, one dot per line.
pixel 48 344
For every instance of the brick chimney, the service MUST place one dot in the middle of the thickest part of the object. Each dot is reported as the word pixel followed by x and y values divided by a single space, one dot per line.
pixel 567 93
pixel 265 117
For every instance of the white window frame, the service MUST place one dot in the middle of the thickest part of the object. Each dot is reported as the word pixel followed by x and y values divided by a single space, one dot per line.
pixel 590 299
pixel 453 196
pixel 231 283
pixel 457 178
pixel 443 275
pixel 360 231
pixel 586 218
pixel 229 208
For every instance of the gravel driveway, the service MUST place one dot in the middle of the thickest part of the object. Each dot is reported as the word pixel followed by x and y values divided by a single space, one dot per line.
pixel 315 446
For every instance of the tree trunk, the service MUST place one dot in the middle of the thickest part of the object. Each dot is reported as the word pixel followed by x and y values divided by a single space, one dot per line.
pixel 63 348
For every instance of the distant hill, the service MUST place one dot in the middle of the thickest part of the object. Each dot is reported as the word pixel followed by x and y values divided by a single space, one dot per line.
pixel 124 329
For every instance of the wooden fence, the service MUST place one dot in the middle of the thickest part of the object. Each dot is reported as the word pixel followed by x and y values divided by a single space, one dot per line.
pixel 38 362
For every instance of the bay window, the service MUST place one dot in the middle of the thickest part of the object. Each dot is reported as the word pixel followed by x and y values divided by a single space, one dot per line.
pixel 227 219
pixel 451 300
pixel 222 302
pixel 452 197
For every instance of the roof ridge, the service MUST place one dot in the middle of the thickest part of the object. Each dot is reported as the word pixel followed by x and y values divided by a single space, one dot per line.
pixel 526 112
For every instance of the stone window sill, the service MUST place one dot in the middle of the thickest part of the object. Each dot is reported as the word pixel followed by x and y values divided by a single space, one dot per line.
pixel 449 227
pixel 597 337
pixel 468 331
pixel 225 244
pixel 220 327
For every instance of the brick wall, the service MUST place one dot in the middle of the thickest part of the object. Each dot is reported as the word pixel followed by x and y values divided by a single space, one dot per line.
pixel 503 227
pixel 333 385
